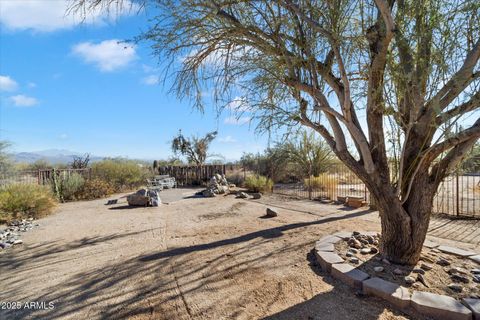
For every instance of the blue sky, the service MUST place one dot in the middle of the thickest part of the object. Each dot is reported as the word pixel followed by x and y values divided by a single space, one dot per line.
pixel 66 85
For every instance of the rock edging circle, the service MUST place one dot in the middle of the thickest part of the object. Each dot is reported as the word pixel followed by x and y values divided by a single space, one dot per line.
pixel 429 304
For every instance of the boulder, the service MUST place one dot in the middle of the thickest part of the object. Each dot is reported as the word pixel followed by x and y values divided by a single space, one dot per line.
pixel 256 195
pixel 155 200
pixel 208 193
pixel 138 200
pixel 271 213
pixel 144 197
pixel 242 195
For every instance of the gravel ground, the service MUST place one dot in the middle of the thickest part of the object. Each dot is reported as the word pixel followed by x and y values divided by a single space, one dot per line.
pixel 197 258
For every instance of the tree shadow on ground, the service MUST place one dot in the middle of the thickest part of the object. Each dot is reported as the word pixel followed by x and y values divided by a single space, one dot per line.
pixel 327 305
pixel 127 207
pixel 157 284
pixel 265 234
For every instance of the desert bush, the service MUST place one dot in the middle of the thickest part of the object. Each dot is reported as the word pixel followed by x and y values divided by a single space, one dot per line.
pixel 69 185
pixel 235 178
pixel 258 184
pixel 121 174
pixel 19 201
pixel 324 182
pixel 95 189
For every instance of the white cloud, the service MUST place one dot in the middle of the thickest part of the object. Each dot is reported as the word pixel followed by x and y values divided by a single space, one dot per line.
pixel 148 69
pixel 7 84
pixel 23 101
pixel 107 55
pixel 63 136
pixel 227 139
pixel 51 15
pixel 236 120
pixel 150 80
pixel 32 85
pixel 238 104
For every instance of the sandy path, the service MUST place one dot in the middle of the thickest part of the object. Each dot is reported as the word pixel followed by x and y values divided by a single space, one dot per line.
pixel 192 259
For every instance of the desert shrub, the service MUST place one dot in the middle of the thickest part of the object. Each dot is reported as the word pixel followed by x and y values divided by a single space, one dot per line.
pixel 258 184
pixel 324 182
pixel 235 178
pixel 121 174
pixel 95 189
pixel 25 200
pixel 69 185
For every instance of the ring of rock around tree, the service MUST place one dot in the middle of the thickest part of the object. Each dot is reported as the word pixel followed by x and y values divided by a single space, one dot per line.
pixel 353 258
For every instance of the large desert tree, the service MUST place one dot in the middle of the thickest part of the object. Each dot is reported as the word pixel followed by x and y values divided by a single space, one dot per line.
pixel 195 149
pixel 343 68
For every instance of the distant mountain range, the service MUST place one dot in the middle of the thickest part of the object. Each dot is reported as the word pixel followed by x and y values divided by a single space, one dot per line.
pixel 54 156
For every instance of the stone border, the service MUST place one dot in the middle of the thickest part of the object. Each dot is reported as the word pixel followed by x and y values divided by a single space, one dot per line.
pixel 429 304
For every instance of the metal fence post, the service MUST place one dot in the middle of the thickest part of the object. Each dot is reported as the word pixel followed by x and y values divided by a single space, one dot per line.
pixel 457 194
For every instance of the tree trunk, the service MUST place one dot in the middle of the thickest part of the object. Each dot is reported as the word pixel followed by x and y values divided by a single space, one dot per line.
pixel 405 226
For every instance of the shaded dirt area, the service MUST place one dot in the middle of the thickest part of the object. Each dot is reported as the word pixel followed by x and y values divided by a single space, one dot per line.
pixel 196 258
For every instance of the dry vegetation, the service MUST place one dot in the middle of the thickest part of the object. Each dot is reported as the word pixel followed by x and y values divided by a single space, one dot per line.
pixel 23 201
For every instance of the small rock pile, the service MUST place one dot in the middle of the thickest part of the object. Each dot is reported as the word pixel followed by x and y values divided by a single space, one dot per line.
pixel 218 184
pixel 363 244
pixel 10 236
pixel 244 195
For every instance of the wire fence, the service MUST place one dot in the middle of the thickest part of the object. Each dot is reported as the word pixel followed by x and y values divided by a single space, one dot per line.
pixel 458 194
pixel 41 177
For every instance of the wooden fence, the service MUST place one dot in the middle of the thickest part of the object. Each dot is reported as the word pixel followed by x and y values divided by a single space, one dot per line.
pixel 192 175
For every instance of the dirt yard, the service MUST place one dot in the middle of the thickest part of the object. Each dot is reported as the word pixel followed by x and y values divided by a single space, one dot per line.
pixel 196 258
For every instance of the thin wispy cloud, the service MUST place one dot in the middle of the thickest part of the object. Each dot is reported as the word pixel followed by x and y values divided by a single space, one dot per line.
pixel 23 101
pixel 7 84
pixel 227 139
pixel 236 121
pixel 238 104
pixel 51 15
pixel 108 55
pixel 150 80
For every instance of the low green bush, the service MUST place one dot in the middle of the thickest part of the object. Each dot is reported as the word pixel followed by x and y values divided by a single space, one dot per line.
pixel 69 185
pixel 258 184
pixel 18 201
pixel 120 173
pixel 95 189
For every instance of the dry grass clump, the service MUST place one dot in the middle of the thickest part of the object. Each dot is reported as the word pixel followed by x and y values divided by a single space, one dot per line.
pixel 18 201
pixel 258 184
pixel 95 189
pixel 324 182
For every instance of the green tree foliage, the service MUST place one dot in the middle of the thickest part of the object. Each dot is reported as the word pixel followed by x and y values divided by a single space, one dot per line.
pixel 302 155
pixel 307 154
